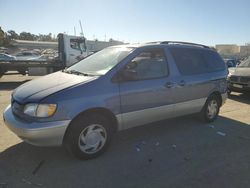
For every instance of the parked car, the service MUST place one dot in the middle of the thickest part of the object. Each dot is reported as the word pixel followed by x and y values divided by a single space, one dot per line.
pixel 114 89
pixel 239 77
pixel 26 55
pixel 231 62
pixel 6 57
pixel 39 58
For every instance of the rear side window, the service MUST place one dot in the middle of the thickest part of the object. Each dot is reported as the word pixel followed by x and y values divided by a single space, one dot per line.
pixel 197 61
pixel 214 60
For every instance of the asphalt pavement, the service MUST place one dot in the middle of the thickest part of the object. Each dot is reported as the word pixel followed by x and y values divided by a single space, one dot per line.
pixel 181 152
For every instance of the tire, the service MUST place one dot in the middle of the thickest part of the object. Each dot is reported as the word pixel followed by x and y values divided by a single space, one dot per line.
pixel 88 136
pixel 1 72
pixel 22 73
pixel 211 109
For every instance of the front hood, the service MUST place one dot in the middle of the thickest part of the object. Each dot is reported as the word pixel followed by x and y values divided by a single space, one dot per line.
pixel 36 90
pixel 240 71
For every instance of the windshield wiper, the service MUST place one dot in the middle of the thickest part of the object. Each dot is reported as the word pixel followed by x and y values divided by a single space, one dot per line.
pixel 77 72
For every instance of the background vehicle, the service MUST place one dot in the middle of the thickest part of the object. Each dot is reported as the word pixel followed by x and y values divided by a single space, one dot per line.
pixel 230 62
pixel 25 55
pixel 6 57
pixel 71 49
pixel 239 77
pixel 39 58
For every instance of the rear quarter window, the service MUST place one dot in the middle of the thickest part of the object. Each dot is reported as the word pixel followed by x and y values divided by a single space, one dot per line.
pixel 197 61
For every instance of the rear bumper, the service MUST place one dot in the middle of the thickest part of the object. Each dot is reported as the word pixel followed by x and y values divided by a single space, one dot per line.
pixel 36 133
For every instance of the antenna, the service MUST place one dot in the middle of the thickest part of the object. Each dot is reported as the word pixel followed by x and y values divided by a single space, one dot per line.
pixel 81 28
pixel 75 30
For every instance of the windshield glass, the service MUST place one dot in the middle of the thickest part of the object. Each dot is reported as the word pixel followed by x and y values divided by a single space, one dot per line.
pixel 245 63
pixel 101 62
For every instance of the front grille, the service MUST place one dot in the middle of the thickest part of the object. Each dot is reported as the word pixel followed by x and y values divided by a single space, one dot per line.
pixel 234 78
pixel 244 79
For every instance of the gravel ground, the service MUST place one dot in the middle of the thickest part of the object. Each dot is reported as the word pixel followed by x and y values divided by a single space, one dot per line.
pixel 181 152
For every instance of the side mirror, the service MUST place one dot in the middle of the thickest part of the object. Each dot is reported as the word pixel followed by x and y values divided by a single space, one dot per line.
pixel 129 74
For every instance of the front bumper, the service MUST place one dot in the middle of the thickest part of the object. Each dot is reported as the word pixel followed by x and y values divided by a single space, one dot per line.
pixel 243 88
pixel 36 133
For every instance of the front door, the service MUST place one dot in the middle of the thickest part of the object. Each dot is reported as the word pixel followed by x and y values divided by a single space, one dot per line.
pixel 145 90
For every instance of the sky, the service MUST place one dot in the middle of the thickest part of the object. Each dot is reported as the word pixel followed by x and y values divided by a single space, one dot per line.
pixel 208 22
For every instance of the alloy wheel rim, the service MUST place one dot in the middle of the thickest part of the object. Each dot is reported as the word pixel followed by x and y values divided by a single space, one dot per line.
pixel 212 109
pixel 92 138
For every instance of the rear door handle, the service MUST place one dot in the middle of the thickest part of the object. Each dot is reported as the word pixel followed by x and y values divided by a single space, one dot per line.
pixel 182 83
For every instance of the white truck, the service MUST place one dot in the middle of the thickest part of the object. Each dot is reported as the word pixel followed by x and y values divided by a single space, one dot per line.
pixel 71 49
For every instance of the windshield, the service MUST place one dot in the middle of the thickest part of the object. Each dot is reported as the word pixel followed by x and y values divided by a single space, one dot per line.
pixel 101 62
pixel 245 63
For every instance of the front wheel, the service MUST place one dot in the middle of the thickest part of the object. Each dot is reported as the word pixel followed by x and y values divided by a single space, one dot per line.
pixel 88 137
pixel 211 109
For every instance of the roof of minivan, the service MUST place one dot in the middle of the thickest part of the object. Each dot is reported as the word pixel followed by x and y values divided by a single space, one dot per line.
pixel 165 43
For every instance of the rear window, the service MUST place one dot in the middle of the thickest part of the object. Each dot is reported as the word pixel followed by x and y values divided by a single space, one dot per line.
pixel 197 61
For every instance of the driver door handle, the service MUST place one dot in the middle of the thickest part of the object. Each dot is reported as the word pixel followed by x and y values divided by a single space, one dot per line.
pixel 169 85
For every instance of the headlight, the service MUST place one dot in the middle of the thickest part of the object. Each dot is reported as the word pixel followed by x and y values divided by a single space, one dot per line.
pixel 39 110
pixel 228 76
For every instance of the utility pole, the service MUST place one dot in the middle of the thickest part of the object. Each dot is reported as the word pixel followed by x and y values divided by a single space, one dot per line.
pixel 81 28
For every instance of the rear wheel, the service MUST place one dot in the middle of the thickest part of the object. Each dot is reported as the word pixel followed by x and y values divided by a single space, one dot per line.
pixel 22 73
pixel 211 109
pixel 1 72
pixel 88 137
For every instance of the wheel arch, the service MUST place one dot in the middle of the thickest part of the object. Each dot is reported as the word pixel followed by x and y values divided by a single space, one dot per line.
pixel 100 111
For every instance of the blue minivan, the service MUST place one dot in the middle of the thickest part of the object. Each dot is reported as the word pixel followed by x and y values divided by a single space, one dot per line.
pixel 114 89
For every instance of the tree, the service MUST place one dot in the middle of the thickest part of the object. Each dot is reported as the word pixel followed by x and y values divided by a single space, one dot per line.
pixel 1 37
pixel 27 36
pixel 12 34
pixel 4 40
pixel 48 37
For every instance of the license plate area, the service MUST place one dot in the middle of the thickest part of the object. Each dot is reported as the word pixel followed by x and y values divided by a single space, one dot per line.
pixel 238 86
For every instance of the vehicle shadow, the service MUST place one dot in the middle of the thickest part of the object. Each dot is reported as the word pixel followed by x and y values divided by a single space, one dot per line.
pixel 153 155
pixel 11 85
pixel 240 97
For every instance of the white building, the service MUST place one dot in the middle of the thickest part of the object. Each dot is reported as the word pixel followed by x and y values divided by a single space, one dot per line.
pixel 91 45
pixel 233 50
pixel 227 49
